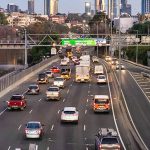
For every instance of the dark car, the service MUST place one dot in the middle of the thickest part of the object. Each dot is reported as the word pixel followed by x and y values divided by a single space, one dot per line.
pixel 17 101
pixel 43 78
pixel 33 89
pixel 107 139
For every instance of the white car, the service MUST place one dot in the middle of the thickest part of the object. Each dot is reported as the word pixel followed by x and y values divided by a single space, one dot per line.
pixel 33 129
pixel 59 81
pixel 69 114
pixel 121 66
pixel 64 62
pixel 95 59
pixel 50 74
pixel 101 79
pixel 53 93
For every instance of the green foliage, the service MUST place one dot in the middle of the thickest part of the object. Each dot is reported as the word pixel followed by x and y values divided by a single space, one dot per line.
pixel 3 19
pixel 76 29
pixel 142 54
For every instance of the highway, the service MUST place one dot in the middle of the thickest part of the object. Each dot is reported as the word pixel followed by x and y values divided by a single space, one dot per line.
pixel 57 136
pixel 80 136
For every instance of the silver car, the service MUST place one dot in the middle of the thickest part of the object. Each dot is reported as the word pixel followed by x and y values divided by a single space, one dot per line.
pixel 59 81
pixel 34 129
pixel 53 92
pixel 49 74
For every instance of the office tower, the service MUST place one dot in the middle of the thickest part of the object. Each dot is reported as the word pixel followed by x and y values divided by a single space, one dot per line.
pixel 99 5
pixel 128 9
pixel 112 8
pixel 145 4
pixel 31 6
pixel 88 8
pixel 50 7
pixel 12 8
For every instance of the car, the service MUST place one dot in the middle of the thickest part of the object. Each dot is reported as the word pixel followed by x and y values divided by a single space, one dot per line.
pixel 101 103
pixel 34 129
pixel 107 139
pixel 122 67
pixel 55 69
pixel 101 79
pixel 59 81
pixel 33 89
pixel 69 114
pixel 42 78
pixel 114 61
pixel 66 73
pixel 49 74
pixel 108 58
pixel 63 62
pixel 53 92
pixel 95 59
pixel 16 101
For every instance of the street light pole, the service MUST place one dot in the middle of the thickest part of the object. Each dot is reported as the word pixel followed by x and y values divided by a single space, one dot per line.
pixel 25 52
pixel 137 48
pixel 97 38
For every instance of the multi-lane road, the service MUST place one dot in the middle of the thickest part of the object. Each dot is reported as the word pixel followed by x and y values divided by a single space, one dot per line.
pixel 78 136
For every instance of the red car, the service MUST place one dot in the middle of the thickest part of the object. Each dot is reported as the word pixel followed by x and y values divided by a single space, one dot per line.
pixel 17 102
pixel 55 69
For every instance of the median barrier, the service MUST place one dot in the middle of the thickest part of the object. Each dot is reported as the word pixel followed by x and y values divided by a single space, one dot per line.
pixel 146 75
pixel 11 82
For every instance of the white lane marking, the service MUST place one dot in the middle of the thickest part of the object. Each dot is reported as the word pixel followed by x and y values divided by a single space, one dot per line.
pixel 36 147
pixel 115 98
pixel 40 100
pixel 85 112
pixel 24 92
pixel 58 111
pixel 52 128
pixel 3 111
pixel 88 91
pixel 64 100
pixel 19 127
pixel 89 85
pixel 30 111
pixel 9 147
pixel 87 148
pixel 140 82
pixel 68 91
pixel 87 100
pixel 47 148
pixel 113 112
pixel 84 127
pixel 70 84
pixel 144 85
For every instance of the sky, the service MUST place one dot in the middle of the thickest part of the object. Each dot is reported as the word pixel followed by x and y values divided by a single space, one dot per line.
pixel 65 6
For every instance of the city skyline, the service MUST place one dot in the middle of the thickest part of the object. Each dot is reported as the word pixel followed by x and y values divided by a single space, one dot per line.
pixel 66 6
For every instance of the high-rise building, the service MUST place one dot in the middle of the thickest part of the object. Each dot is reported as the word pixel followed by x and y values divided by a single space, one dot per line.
pixel 128 6
pixel 11 7
pixel 145 6
pixel 112 8
pixel 88 8
pixel 31 6
pixel 99 5
pixel 50 7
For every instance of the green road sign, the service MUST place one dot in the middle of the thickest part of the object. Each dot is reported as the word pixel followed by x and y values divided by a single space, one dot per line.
pixel 76 42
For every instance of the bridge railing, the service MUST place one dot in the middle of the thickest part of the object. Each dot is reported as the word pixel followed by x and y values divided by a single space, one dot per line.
pixel 11 81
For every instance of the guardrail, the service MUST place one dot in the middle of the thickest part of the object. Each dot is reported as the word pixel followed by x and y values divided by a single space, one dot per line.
pixel 11 81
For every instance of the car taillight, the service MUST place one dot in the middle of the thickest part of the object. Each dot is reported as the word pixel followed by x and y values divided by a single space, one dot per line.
pixel 26 131
pixel 8 102
pixel 21 103
pixel 100 146
pixel 118 146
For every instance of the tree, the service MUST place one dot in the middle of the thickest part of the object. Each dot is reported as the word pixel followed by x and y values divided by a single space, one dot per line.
pixel 3 19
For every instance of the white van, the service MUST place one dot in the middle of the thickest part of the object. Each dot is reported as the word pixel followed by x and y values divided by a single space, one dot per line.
pixel 98 69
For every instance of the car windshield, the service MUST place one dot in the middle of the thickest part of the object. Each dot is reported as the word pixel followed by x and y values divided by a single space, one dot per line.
pixel 54 67
pixel 48 72
pixel 16 97
pixel 41 75
pixel 59 79
pixel 53 89
pixel 33 125
pixel 101 101
pixel 32 87
pixel 101 77
pixel 69 112
pixel 109 141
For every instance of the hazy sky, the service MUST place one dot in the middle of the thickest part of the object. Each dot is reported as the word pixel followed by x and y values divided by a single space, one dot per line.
pixel 66 6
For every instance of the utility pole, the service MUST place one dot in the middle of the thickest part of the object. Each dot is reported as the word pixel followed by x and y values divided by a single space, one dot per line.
pixel 97 39
pixel 25 52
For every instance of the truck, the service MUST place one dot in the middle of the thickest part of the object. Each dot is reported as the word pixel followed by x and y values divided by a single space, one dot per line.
pixel 98 69
pixel 82 73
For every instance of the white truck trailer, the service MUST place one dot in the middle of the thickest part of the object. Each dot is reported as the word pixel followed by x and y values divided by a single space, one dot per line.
pixel 82 73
